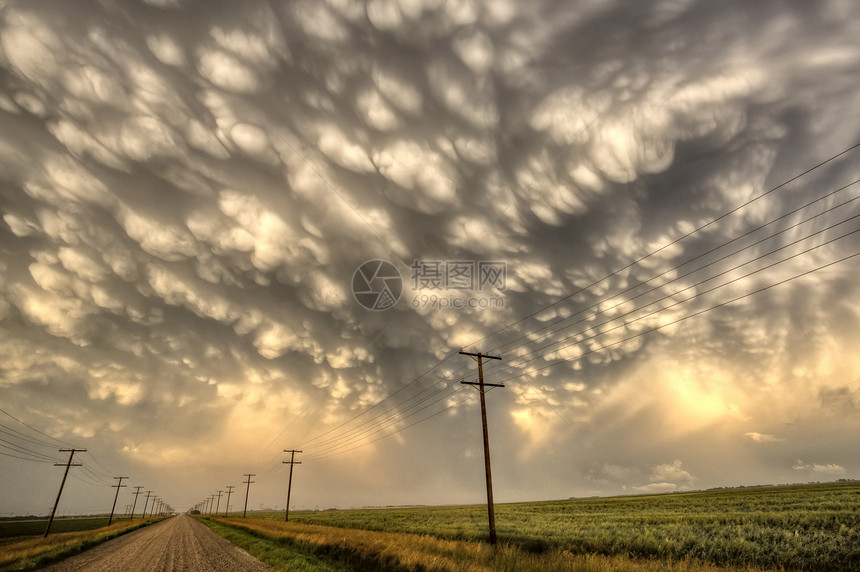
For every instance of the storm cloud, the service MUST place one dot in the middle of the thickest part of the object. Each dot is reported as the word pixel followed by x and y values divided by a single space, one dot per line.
pixel 188 189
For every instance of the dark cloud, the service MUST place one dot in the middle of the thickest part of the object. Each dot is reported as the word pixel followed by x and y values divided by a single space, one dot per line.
pixel 187 190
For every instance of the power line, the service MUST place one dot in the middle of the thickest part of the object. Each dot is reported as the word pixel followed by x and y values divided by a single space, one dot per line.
pixel 693 315
pixel 25 451
pixel 349 438
pixel 343 446
pixel 34 429
pixel 671 243
pixel 696 295
pixel 404 428
pixel 702 255
pixel 347 435
pixel 384 417
pixel 446 358
pixel 24 437
pixel 24 458
pixel 353 438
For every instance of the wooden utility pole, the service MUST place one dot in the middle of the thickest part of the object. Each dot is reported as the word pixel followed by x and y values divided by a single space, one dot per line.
pixel 479 357
pixel 229 492
pixel 118 486
pixel 134 505
pixel 291 462
pixel 247 490
pixel 146 502
pixel 217 506
pixel 71 453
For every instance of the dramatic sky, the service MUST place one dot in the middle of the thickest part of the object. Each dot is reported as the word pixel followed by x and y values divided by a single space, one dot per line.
pixel 188 188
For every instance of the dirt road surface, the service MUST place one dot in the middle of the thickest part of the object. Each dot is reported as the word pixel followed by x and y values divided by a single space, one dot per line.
pixel 173 545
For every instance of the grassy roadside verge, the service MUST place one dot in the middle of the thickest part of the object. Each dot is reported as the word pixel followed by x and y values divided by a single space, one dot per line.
pixel 401 552
pixel 33 552
pixel 277 553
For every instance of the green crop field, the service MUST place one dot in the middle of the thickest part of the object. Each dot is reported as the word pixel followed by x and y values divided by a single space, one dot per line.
pixel 11 528
pixel 803 527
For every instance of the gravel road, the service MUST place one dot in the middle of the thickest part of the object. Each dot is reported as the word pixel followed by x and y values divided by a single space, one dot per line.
pixel 176 544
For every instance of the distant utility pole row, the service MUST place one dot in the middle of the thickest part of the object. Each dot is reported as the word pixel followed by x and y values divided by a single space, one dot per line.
pixel 205 506
pixel 162 507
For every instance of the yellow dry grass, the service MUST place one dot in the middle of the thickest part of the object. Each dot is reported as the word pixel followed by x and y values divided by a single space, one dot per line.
pixel 423 552
pixel 23 553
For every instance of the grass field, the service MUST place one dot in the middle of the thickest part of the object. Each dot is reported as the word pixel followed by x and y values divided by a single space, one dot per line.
pixel 11 528
pixel 803 527
pixel 291 546
pixel 22 546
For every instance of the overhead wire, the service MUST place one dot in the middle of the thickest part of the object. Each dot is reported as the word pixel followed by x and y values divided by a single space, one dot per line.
pixel 388 424
pixel 34 429
pixel 670 243
pixel 677 267
pixel 345 446
pixel 349 436
pixel 689 287
pixel 693 315
pixel 654 312
pixel 399 430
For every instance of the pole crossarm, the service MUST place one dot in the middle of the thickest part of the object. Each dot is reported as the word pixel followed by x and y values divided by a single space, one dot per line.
pixel 477 383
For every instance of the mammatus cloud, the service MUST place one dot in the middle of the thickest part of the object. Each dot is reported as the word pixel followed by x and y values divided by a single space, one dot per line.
pixel 187 192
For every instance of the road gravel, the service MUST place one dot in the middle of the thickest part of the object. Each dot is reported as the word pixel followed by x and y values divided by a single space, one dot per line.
pixel 176 544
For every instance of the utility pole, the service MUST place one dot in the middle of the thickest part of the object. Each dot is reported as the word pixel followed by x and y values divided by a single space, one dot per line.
pixel 229 492
pixel 136 494
pixel 247 490
pixel 71 453
pixel 479 357
pixel 291 462
pixel 118 486
pixel 218 505
pixel 146 502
